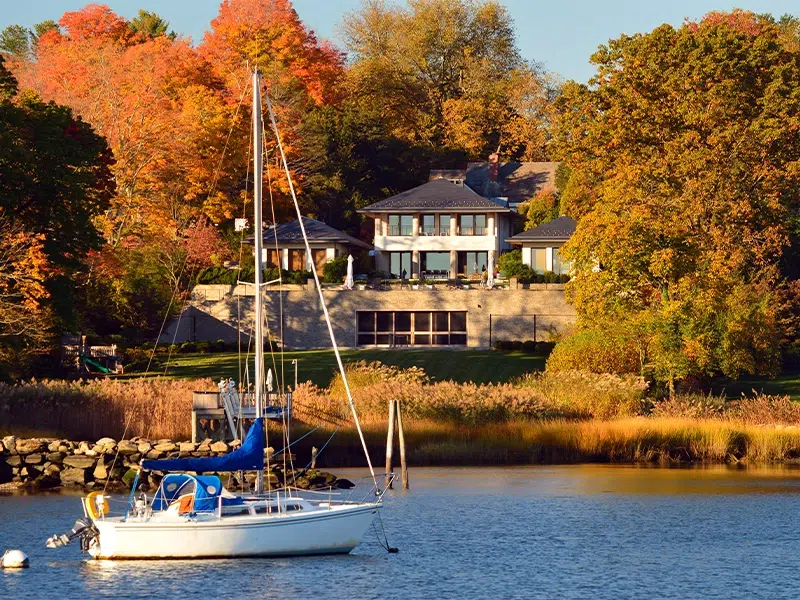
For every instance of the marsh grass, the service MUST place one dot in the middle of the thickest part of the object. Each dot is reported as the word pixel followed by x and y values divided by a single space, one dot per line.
pixel 570 417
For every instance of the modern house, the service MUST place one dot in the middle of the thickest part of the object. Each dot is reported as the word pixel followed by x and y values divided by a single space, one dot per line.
pixel 289 251
pixel 513 182
pixel 540 245
pixel 440 230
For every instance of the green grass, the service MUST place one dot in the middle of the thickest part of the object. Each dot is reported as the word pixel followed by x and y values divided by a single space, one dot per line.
pixel 786 384
pixel 318 366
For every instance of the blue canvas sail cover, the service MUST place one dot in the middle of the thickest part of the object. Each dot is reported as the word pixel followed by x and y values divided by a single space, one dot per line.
pixel 248 457
pixel 206 490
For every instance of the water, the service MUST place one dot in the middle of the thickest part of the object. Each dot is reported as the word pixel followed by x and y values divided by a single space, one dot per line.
pixel 535 532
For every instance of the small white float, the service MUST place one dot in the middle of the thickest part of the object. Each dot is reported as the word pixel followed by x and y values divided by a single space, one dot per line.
pixel 14 559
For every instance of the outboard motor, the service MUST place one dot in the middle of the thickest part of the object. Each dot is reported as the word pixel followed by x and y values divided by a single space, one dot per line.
pixel 83 529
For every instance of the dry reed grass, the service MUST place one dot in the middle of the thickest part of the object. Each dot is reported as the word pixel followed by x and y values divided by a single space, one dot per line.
pixel 157 408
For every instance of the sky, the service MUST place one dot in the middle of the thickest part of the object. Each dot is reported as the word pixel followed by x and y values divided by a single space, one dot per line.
pixel 560 35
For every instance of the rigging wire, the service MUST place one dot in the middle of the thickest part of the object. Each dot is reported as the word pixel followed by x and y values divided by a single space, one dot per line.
pixel 319 290
pixel 175 291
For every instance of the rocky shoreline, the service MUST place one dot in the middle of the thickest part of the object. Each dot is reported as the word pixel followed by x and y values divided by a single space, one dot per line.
pixel 41 464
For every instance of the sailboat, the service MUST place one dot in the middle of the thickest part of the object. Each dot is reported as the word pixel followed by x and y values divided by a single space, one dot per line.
pixel 193 516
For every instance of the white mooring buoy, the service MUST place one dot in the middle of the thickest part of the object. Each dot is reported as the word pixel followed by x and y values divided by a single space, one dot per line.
pixel 14 559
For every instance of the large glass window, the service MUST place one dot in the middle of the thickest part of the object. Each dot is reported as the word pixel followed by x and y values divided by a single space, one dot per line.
pixel 466 225
pixel 427 225
pixel 472 264
pixel 472 224
pixel 401 224
pixel 435 264
pixel 444 224
pixel 400 265
pixel 539 259
pixel 562 267
pixel 419 328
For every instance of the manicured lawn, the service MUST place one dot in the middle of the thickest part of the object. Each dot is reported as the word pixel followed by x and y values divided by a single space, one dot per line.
pixel 785 384
pixel 479 366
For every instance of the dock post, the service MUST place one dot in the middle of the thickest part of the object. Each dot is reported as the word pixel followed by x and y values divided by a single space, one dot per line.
pixel 314 457
pixel 389 440
pixel 403 466
pixel 195 427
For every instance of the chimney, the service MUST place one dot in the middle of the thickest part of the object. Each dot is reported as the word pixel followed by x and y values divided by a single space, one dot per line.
pixel 494 167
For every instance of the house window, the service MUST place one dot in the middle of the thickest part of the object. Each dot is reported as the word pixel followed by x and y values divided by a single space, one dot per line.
pixel 400 224
pixel 400 263
pixel 320 257
pixel 297 260
pixel 427 225
pixel 473 224
pixel 435 265
pixel 444 225
pixel 273 258
pixel 471 264
pixel 407 328
pixel 561 267
pixel 539 259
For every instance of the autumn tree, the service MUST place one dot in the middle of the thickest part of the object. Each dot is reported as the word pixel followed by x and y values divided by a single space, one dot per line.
pixel 445 72
pixel 683 159
pixel 54 181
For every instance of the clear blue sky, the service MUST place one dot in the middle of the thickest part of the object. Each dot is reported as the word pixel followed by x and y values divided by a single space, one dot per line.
pixel 561 34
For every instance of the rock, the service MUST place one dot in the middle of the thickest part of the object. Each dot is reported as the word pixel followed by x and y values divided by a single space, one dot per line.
pixel 34 459
pixel 153 455
pixel 64 448
pixel 75 476
pixel 53 446
pixel 2 448
pixel 126 448
pixel 187 447
pixel 235 443
pixel 79 462
pixel 100 471
pixel 30 446
pixel 144 447
pixel 52 469
pixel 219 447
pixel 166 447
pixel 23 472
pixel 135 458
pixel 91 452
pixel 10 442
pixel 344 484
pixel 83 448
pixel 106 441
pixel 14 461
pixel 6 472
pixel 55 457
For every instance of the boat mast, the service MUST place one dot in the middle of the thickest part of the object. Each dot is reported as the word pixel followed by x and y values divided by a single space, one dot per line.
pixel 258 168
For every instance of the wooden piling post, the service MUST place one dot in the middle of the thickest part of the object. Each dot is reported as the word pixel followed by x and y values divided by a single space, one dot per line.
pixel 403 466
pixel 389 440
pixel 314 457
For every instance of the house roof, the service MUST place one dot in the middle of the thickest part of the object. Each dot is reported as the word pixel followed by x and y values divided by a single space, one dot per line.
pixel 518 181
pixel 436 195
pixel 557 230
pixel 317 231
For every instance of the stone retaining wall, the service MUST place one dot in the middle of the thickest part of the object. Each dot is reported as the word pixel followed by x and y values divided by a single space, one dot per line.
pixel 42 464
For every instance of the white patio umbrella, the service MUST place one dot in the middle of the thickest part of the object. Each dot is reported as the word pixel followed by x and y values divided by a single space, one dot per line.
pixel 348 281
pixel 490 269
pixel 269 379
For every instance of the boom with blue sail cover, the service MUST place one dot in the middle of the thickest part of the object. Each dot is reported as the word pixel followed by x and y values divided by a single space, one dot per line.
pixel 248 457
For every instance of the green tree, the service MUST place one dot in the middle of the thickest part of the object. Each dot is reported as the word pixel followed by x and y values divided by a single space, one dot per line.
pixel 150 25
pixel 54 181
pixel 15 40
pixel 683 156
pixel 448 72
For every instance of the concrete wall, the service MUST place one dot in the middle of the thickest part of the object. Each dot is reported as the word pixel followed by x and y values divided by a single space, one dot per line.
pixel 491 314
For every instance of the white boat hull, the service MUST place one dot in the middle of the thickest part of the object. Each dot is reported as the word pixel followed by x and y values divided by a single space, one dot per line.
pixel 327 531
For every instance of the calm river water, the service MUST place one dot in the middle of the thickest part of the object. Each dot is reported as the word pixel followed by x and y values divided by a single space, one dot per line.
pixel 533 532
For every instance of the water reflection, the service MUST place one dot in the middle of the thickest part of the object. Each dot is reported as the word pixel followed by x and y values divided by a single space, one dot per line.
pixel 582 531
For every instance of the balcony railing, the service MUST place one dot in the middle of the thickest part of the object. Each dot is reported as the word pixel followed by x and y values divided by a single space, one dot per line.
pixel 427 231
pixel 399 230
pixel 444 231
pixel 473 231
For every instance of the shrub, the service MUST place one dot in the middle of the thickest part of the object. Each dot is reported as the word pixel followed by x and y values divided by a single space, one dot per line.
pixel 510 265
pixel 497 345
pixel 529 346
pixel 516 345
pixel 544 348
pixel 188 347
pixel 335 270
pixel 595 351
pixel 203 347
